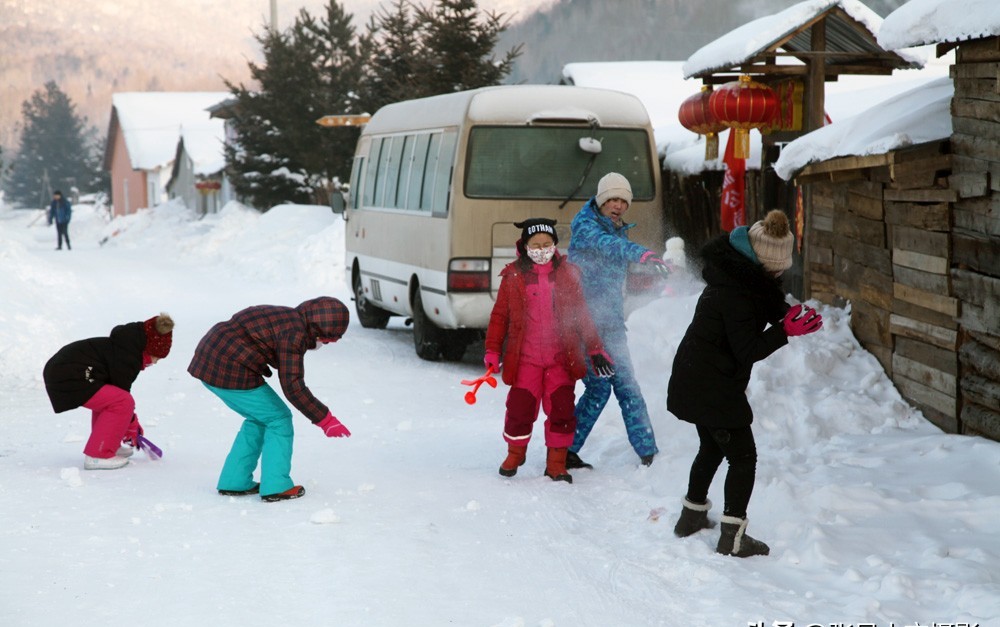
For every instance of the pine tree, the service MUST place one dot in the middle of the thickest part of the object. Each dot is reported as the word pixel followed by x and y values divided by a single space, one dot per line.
pixel 458 47
pixel 394 53
pixel 310 70
pixel 55 151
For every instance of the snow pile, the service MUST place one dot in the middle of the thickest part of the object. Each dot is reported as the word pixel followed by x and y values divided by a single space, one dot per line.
pixel 920 22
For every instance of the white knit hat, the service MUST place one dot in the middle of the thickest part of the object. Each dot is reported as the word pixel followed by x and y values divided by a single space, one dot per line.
pixel 772 241
pixel 613 185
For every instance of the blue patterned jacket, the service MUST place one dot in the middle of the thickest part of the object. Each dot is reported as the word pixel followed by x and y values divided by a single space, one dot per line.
pixel 603 252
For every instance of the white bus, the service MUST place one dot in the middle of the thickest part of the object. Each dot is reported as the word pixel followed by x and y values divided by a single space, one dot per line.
pixel 438 183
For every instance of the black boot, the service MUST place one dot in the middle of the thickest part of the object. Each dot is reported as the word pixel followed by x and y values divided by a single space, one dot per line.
pixel 734 540
pixel 694 518
pixel 573 461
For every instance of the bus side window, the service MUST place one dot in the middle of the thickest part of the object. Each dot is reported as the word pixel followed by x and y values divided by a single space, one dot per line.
pixel 445 166
pixel 354 190
pixel 405 165
pixel 430 170
pixel 382 177
pixel 420 145
pixel 370 176
pixel 392 167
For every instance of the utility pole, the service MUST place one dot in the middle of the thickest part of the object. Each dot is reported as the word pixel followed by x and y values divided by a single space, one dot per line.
pixel 274 15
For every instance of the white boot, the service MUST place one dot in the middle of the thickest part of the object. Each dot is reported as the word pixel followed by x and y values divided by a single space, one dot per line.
pixel 97 463
pixel 125 451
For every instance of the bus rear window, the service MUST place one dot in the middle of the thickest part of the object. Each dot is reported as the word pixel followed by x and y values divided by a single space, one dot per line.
pixel 547 162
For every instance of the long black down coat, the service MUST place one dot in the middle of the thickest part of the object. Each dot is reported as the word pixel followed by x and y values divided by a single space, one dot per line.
pixel 79 370
pixel 726 337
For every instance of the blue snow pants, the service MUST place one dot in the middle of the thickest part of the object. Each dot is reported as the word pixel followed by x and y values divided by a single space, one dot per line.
pixel 626 389
pixel 266 434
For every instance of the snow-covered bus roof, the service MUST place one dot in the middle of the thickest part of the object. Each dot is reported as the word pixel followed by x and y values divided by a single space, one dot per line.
pixel 920 22
pixel 511 104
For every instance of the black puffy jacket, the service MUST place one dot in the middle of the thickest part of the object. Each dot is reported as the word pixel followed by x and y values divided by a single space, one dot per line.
pixel 725 338
pixel 78 370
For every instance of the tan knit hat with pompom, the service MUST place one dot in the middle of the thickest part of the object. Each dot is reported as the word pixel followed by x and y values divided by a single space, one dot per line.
pixel 772 241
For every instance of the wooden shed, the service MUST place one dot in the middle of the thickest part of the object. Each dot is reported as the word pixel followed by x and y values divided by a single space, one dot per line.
pixel 911 236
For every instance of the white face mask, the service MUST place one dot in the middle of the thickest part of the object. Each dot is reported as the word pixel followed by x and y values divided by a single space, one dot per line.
pixel 542 256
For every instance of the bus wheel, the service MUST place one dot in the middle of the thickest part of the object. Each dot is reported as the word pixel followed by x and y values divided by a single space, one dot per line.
pixel 427 337
pixel 369 315
pixel 455 343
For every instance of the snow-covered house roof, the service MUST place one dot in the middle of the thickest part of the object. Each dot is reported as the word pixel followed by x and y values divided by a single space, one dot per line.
pixel 919 115
pixel 920 22
pixel 204 144
pixel 851 27
pixel 151 122
pixel 661 87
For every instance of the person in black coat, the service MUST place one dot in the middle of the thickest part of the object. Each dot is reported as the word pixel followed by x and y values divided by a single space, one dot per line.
pixel 98 373
pixel 741 318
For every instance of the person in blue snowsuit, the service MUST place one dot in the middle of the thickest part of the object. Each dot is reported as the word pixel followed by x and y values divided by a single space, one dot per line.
pixel 599 245
pixel 60 212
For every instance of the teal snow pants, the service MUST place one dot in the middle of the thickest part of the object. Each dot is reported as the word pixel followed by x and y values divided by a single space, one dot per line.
pixel 266 434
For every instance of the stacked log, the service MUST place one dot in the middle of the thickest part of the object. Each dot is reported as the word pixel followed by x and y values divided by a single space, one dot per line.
pixel 975 236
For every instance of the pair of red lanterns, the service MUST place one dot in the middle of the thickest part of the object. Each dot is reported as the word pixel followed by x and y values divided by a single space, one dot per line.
pixel 740 105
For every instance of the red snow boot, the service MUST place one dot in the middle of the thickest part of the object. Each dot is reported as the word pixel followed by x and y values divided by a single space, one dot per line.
pixel 293 492
pixel 555 465
pixel 515 458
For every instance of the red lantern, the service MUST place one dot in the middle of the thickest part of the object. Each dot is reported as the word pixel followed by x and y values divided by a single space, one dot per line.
pixel 697 117
pixel 743 105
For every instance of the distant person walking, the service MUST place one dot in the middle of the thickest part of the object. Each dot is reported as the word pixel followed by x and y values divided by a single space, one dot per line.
pixel 60 212
pixel 740 319
pixel 600 247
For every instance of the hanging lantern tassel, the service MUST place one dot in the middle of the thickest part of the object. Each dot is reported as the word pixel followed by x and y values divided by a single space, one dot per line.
pixel 711 146
pixel 744 105
pixel 695 116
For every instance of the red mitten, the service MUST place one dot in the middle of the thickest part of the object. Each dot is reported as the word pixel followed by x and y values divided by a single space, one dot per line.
pixel 333 427
pixel 801 320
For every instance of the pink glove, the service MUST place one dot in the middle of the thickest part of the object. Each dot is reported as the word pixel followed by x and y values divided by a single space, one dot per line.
pixel 333 427
pixel 798 323
pixel 492 360
pixel 654 262
pixel 133 432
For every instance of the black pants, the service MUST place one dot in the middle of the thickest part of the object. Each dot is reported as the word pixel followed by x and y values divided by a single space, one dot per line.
pixel 738 447
pixel 63 231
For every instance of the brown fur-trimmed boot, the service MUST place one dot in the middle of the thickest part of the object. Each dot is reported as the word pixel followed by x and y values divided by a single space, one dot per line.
pixel 555 465
pixel 735 541
pixel 515 458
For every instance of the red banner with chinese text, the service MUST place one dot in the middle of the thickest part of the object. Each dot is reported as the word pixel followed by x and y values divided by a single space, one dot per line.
pixel 733 212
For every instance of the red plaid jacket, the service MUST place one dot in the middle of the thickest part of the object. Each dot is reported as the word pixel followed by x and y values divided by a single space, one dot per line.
pixel 237 354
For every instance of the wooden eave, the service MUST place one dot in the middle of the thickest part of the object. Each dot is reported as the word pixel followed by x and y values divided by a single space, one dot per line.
pixel 850 49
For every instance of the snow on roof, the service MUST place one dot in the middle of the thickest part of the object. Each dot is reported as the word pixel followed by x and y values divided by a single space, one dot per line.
pixel 661 87
pixel 748 39
pixel 203 143
pixel 151 122
pixel 920 22
pixel 508 104
pixel 919 115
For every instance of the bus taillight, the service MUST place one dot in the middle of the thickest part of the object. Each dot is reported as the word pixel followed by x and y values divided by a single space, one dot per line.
pixel 469 275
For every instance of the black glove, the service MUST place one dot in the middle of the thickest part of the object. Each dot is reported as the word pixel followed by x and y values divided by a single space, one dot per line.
pixel 602 367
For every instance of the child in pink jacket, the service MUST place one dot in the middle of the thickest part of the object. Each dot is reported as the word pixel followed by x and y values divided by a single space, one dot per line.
pixel 541 331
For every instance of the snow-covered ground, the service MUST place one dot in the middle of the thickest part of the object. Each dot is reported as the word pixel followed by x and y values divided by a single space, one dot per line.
pixel 873 516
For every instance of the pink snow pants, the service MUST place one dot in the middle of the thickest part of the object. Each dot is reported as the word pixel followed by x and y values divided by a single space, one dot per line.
pixel 552 389
pixel 112 410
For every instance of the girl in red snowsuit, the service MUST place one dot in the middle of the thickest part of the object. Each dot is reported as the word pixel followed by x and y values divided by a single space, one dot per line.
pixel 542 329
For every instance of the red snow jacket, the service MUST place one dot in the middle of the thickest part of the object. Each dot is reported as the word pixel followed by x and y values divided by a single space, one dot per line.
pixel 577 333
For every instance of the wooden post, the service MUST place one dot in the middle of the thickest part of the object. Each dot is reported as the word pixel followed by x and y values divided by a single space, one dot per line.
pixel 817 77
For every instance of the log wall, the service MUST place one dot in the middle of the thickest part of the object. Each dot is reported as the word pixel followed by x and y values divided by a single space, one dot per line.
pixel 877 236
pixel 975 238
